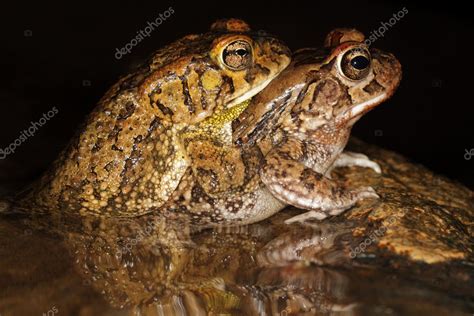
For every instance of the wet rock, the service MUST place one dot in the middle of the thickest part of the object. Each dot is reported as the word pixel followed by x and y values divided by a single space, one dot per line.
pixel 383 256
pixel 420 216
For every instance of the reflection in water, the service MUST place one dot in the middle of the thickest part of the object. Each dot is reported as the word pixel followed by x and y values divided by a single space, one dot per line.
pixel 151 266
pixel 322 243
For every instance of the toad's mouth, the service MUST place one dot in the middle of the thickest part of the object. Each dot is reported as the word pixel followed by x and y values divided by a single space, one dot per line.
pixel 247 96
pixel 235 107
pixel 356 111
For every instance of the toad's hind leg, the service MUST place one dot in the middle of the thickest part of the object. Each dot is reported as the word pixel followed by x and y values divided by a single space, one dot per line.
pixel 289 180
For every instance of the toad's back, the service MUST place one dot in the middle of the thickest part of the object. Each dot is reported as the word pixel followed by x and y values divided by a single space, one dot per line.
pixel 128 157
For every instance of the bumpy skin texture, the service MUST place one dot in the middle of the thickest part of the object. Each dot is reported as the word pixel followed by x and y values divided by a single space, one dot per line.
pixel 140 140
pixel 290 135
pixel 302 121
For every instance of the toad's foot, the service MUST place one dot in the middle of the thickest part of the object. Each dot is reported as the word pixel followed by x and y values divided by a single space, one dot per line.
pixel 361 193
pixel 348 159
pixel 307 216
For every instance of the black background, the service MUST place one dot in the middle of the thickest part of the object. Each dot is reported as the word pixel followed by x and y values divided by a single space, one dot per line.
pixel 68 62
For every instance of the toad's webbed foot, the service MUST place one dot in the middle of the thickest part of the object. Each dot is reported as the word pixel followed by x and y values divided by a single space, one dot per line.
pixel 367 192
pixel 349 159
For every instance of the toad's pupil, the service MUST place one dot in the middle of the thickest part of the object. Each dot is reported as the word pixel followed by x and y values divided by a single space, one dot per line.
pixel 360 62
pixel 241 52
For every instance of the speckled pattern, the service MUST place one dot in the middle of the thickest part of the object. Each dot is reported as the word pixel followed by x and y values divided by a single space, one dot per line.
pixel 181 163
pixel 129 156
pixel 419 231
pixel 303 119
pixel 422 253
pixel 289 136
pixel 423 216
pixel 419 217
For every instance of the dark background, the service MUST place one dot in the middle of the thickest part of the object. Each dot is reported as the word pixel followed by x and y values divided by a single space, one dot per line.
pixel 66 59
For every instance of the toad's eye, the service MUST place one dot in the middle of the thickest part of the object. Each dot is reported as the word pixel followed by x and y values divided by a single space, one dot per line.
pixel 237 55
pixel 355 64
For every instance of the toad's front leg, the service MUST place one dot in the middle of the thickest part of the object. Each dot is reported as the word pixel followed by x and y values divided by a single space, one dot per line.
pixel 287 176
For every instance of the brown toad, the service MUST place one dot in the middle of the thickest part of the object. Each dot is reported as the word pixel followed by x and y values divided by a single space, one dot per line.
pixel 138 142
pixel 291 135
pixel 302 121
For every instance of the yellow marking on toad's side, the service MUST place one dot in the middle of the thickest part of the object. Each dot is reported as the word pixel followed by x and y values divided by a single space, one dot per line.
pixel 219 119
pixel 214 126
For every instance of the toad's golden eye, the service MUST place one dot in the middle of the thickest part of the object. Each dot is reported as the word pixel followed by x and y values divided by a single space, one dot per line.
pixel 355 64
pixel 237 55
